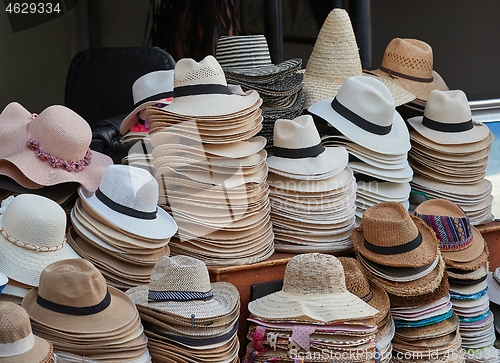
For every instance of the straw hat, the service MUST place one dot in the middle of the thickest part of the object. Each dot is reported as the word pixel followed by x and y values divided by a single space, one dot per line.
pixel 314 289
pixel 180 285
pixel 409 63
pixel 32 236
pixel 200 89
pixel 298 150
pixel 149 89
pixel 53 148
pixel 364 111
pixel 388 235
pixel 127 198
pixel 73 297
pixel 3 281
pixel 493 281
pixel 334 58
pixel 458 240
pixel 17 342
pixel 447 119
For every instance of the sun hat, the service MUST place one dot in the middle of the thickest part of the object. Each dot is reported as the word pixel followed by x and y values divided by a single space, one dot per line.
pixel 53 148
pixel 32 235
pixel 18 344
pixel 364 111
pixel 298 150
pixel 334 58
pixel 314 289
pixel 409 63
pixel 127 198
pixel 151 88
pixel 390 236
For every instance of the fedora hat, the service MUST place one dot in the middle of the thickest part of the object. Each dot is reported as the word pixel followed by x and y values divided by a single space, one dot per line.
pixel 447 119
pixel 180 285
pixel 200 89
pixel 32 236
pixel 409 63
pixel 334 58
pixel 364 111
pixel 127 198
pixel 18 344
pixel 390 236
pixel 298 151
pixel 314 289
pixel 152 88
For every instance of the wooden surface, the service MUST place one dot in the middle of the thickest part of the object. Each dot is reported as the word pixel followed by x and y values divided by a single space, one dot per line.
pixel 491 234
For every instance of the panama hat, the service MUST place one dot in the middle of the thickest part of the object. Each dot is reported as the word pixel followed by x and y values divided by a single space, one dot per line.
pixel 152 88
pixel 364 111
pixel 18 344
pixel 32 236
pixel 127 198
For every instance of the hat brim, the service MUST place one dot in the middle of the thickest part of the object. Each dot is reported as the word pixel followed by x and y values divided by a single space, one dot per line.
pixel 132 118
pixel 41 352
pixel 403 175
pixel 470 253
pixel 493 288
pixel 270 70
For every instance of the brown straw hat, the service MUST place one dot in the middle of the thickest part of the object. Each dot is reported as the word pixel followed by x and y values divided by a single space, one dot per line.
pixel 390 236
pixel 409 63
pixel 18 344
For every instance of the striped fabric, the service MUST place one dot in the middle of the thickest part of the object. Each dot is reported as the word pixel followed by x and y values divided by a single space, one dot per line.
pixel 179 295
pixel 243 51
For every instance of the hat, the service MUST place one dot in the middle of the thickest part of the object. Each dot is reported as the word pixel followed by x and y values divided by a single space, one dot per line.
pixel 458 240
pixel 298 150
pixel 127 198
pixel 334 58
pixel 73 297
pixel 18 344
pixel 149 89
pixel 314 289
pixel 389 235
pixel 32 236
pixel 3 281
pixel 447 119
pixel 180 285
pixel 409 63
pixel 493 281
pixel 364 111
pixel 200 89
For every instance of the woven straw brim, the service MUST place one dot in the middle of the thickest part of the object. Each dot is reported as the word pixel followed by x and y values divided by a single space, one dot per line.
pixel 458 148
pixel 423 299
pixel 41 352
pixel 132 118
pixel 270 71
pixel 429 331
pixel 470 253
pixel 281 184
pixel 469 265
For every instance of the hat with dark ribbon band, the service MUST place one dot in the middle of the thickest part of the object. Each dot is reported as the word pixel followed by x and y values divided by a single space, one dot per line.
pixel 179 295
pixel 406 76
pixel 444 127
pixel 72 310
pixel 306 152
pixel 154 97
pixel 201 89
pixel 123 209
pixel 392 250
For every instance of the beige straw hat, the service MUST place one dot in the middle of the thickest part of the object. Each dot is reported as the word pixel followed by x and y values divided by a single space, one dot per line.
pixel 334 58
pixel 18 344
pixel 409 63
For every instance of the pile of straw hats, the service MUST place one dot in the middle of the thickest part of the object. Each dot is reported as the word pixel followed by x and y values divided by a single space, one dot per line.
pixel 449 154
pixel 364 121
pixel 334 58
pixel 120 227
pixel 80 314
pixel 246 61
pixel 314 313
pixel 311 189
pixel 211 167
pixel 187 318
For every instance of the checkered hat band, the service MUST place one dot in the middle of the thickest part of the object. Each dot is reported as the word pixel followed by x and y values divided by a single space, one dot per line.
pixel 453 233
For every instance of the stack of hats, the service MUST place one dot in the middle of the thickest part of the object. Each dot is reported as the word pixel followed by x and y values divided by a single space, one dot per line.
pixel 47 154
pixel 80 314
pixel 246 61
pixel 314 318
pixel 334 58
pixel 211 167
pixel 461 246
pixel 32 236
pixel 120 227
pixel 187 318
pixel 365 122
pixel 312 191
pixel 449 154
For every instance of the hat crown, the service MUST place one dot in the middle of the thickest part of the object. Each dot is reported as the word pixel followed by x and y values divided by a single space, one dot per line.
pixel 356 282
pixel 14 112
pixel 449 107
pixel 61 132
pixel 153 83
pixel 188 72
pixel 297 133
pixel 131 187
pixel 14 323
pixel 314 273
pixel 180 273
pixel 243 51
pixel 411 57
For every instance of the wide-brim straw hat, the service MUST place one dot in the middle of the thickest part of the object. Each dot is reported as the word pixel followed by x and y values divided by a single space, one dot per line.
pixel 409 63
pixel 410 301
pixel 53 148
pixel 334 58
pixel 364 111
pixel 314 289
